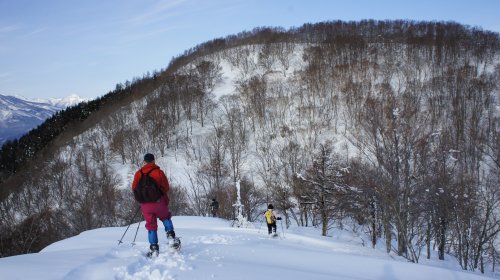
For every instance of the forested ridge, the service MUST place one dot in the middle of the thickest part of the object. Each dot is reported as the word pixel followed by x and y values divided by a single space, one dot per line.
pixel 384 127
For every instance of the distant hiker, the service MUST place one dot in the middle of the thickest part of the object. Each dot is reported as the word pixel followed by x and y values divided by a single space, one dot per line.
pixel 150 188
pixel 271 220
pixel 214 207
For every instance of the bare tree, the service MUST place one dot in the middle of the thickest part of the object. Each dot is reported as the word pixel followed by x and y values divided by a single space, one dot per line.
pixel 326 181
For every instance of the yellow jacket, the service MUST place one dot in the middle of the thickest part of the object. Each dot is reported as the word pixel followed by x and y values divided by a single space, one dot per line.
pixel 270 216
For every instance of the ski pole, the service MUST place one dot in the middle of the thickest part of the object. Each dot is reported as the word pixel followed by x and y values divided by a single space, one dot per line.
pixel 282 230
pixel 136 231
pixel 136 211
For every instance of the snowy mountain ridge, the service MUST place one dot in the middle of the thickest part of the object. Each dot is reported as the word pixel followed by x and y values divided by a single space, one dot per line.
pixel 64 102
pixel 19 115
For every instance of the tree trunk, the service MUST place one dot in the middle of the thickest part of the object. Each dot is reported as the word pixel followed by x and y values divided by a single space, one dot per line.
pixel 428 240
pixel 324 221
pixel 441 237
pixel 387 233
pixel 401 243
pixel 374 225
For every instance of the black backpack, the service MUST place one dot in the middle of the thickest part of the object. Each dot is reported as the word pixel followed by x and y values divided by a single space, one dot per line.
pixel 146 189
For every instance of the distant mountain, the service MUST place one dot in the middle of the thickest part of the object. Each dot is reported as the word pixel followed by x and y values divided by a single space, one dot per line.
pixel 63 102
pixel 18 115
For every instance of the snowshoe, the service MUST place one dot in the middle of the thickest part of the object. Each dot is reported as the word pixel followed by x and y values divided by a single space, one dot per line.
pixel 154 251
pixel 273 235
pixel 173 242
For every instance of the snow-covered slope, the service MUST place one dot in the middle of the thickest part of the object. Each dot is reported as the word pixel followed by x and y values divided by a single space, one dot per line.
pixel 18 115
pixel 214 250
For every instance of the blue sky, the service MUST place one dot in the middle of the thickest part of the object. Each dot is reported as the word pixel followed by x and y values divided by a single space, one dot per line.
pixel 54 48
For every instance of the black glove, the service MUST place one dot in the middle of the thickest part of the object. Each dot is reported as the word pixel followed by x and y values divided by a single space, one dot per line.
pixel 279 218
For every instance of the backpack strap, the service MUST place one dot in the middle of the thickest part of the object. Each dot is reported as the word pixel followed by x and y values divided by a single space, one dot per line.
pixel 149 172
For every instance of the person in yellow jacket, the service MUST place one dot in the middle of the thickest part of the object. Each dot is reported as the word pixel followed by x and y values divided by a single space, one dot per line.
pixel 271 220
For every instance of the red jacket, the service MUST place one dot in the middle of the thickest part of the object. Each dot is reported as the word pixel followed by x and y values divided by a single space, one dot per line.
pixel 157 175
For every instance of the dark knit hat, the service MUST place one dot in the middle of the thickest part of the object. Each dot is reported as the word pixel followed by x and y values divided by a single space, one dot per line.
pixel 149 157
pixel 270 206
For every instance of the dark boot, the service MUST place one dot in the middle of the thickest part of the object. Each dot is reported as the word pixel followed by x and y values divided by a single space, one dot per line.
pixel 172 240
pixel 154 250
pixel 170 234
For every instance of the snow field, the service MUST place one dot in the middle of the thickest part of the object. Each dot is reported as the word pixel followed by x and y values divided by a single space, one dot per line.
pixel 211 249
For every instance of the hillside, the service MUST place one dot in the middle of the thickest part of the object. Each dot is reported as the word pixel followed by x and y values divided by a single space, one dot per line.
pixel 214 250
pixel 18 115
pixel 391 127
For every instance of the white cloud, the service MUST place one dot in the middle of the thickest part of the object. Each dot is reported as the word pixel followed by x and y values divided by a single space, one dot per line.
pixel 8 28
pixel 157 12
pixel 37 31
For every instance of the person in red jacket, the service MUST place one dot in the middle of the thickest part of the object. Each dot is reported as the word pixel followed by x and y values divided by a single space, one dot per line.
pixel 156 210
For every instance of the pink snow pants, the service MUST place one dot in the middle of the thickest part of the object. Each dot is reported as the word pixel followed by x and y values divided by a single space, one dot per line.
pixel 153 210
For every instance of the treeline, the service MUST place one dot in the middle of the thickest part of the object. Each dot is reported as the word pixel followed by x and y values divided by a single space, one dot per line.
pixel 435 34
pixel 387 127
